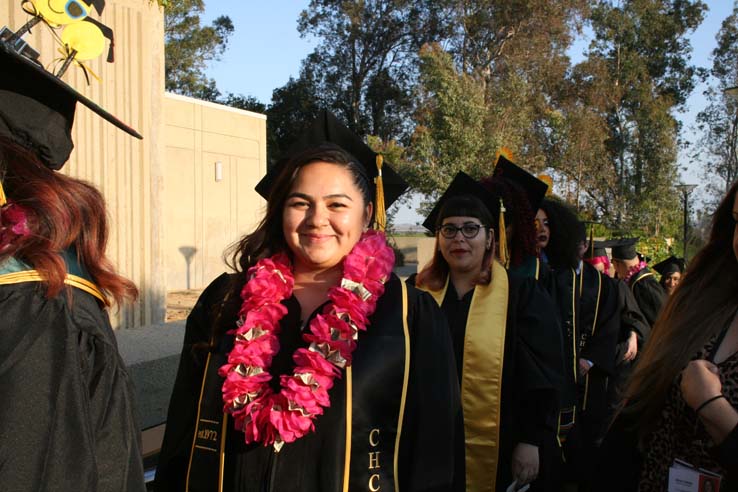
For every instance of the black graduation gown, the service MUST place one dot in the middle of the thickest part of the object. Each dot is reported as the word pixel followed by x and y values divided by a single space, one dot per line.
pixel 531 375
pixel 67 418
pixel 576 296
pixel 589 312
pixel 315 462
pixel 631 320
pixel 648 293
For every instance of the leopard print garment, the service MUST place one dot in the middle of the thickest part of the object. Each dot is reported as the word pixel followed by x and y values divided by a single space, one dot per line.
pixel 681 435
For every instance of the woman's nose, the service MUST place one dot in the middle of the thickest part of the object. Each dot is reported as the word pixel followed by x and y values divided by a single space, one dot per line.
pixel 317 216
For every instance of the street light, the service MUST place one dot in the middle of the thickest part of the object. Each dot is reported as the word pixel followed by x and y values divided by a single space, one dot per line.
pixel 686 189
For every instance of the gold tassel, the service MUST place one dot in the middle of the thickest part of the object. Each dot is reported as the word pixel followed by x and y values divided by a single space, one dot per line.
pixel 502 241
pixel 380 214
pixel 549 181
pixel 504 151
pixel 3 198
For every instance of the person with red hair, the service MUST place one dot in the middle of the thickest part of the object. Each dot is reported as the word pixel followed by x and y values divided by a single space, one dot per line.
pixel 68 420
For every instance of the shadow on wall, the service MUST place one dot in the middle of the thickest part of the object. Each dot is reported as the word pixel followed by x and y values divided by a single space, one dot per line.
pixel 188 252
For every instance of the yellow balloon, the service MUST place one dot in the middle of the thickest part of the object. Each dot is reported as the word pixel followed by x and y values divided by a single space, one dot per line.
pixel 61 12
pixel 84 37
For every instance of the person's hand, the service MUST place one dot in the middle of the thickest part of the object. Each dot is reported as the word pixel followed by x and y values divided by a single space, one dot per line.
pixel 525 463
pixel 700 382
pixel 584 366
pixel 632 350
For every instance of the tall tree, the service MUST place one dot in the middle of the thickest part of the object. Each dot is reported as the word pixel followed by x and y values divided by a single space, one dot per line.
pixel 718 122
pixel 189 46
pixel 639 59
pixel 364 64
pixel 493 82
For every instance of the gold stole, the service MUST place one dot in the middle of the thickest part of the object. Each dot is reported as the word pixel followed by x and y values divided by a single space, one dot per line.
pixel 481 379
pixel 71 280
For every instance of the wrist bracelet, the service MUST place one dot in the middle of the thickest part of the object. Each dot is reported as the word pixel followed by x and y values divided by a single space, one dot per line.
pixel 707 402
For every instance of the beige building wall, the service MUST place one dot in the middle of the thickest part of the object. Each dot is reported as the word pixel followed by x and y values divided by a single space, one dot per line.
pixel 128 171
pixel 215 155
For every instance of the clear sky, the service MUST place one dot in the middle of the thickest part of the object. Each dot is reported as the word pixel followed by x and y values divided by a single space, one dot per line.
pixel 266 50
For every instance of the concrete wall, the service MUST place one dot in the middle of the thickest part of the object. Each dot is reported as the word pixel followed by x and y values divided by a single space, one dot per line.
pixel 126 170
pixel 203 215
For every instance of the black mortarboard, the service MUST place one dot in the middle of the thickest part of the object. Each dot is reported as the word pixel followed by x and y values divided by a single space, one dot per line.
pixel 463 184
pixel 670 265
pixel 534 188
pixel 37 109
pixel 624 249
pixel 327 128
pixel 599 249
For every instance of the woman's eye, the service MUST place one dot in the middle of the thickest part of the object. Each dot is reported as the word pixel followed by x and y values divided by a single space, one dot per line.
pixel 337 205
pixel 298 204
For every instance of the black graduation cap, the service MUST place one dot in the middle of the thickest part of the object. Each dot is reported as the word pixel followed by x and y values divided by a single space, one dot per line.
pixel 37 108
pixel 597 248
pixel 534 188
pixel 624 249
pixel 463 184
pixel 327 129
pixel 670 265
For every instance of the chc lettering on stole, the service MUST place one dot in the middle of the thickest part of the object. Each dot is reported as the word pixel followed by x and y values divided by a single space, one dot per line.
pixel 374 465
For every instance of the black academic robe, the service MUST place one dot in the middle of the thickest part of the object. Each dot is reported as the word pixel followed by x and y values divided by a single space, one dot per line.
pixel 588 309
pixel 316 462
pixel 648 293
pixel 67 418
pixel 531 375
pixel 589 313
pixel 631 320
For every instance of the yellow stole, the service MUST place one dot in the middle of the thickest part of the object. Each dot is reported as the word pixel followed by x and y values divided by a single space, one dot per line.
pixel 71 280
pixel 481 379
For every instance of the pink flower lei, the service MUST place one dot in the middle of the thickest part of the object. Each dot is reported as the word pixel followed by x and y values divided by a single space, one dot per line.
pixel 276 418
pixel 635 269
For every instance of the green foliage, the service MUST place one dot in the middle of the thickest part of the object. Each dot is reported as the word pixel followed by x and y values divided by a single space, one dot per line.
pixel 190 46
pixel 364 65
pixel 636 75
pixel 450 132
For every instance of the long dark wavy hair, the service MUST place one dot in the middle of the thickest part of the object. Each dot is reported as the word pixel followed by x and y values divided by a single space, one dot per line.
pixel 434 274
pixel 519 215
pixel 566 234
pixel 62 213
pixel 703 304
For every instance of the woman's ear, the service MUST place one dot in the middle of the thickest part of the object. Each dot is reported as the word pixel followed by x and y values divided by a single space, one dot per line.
pixel 490 239
pixel 368 215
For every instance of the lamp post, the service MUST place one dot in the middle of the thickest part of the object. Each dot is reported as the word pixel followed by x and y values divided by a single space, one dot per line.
pixel 686 189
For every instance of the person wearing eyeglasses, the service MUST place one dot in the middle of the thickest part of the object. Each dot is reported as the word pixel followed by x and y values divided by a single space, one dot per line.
pixel 506 341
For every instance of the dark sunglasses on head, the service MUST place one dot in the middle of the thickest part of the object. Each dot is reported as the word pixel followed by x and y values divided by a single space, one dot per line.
pixel 469 231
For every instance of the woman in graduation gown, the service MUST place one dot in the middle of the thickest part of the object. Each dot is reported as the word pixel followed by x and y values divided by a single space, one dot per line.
pixel 505 339
pixel 67 417
pixel 313 368
pixel 590 320
pixel 682 400
pixel 671 271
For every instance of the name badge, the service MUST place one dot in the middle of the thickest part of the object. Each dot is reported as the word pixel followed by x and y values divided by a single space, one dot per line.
pixel 684 477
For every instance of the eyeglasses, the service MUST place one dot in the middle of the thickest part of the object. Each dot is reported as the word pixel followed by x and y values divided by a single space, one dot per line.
pixel 469 231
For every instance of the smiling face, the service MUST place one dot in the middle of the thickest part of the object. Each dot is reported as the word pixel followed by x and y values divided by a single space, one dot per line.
pixel 324 216
pixel 543 232
pixel 464 254
pixel 671 281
